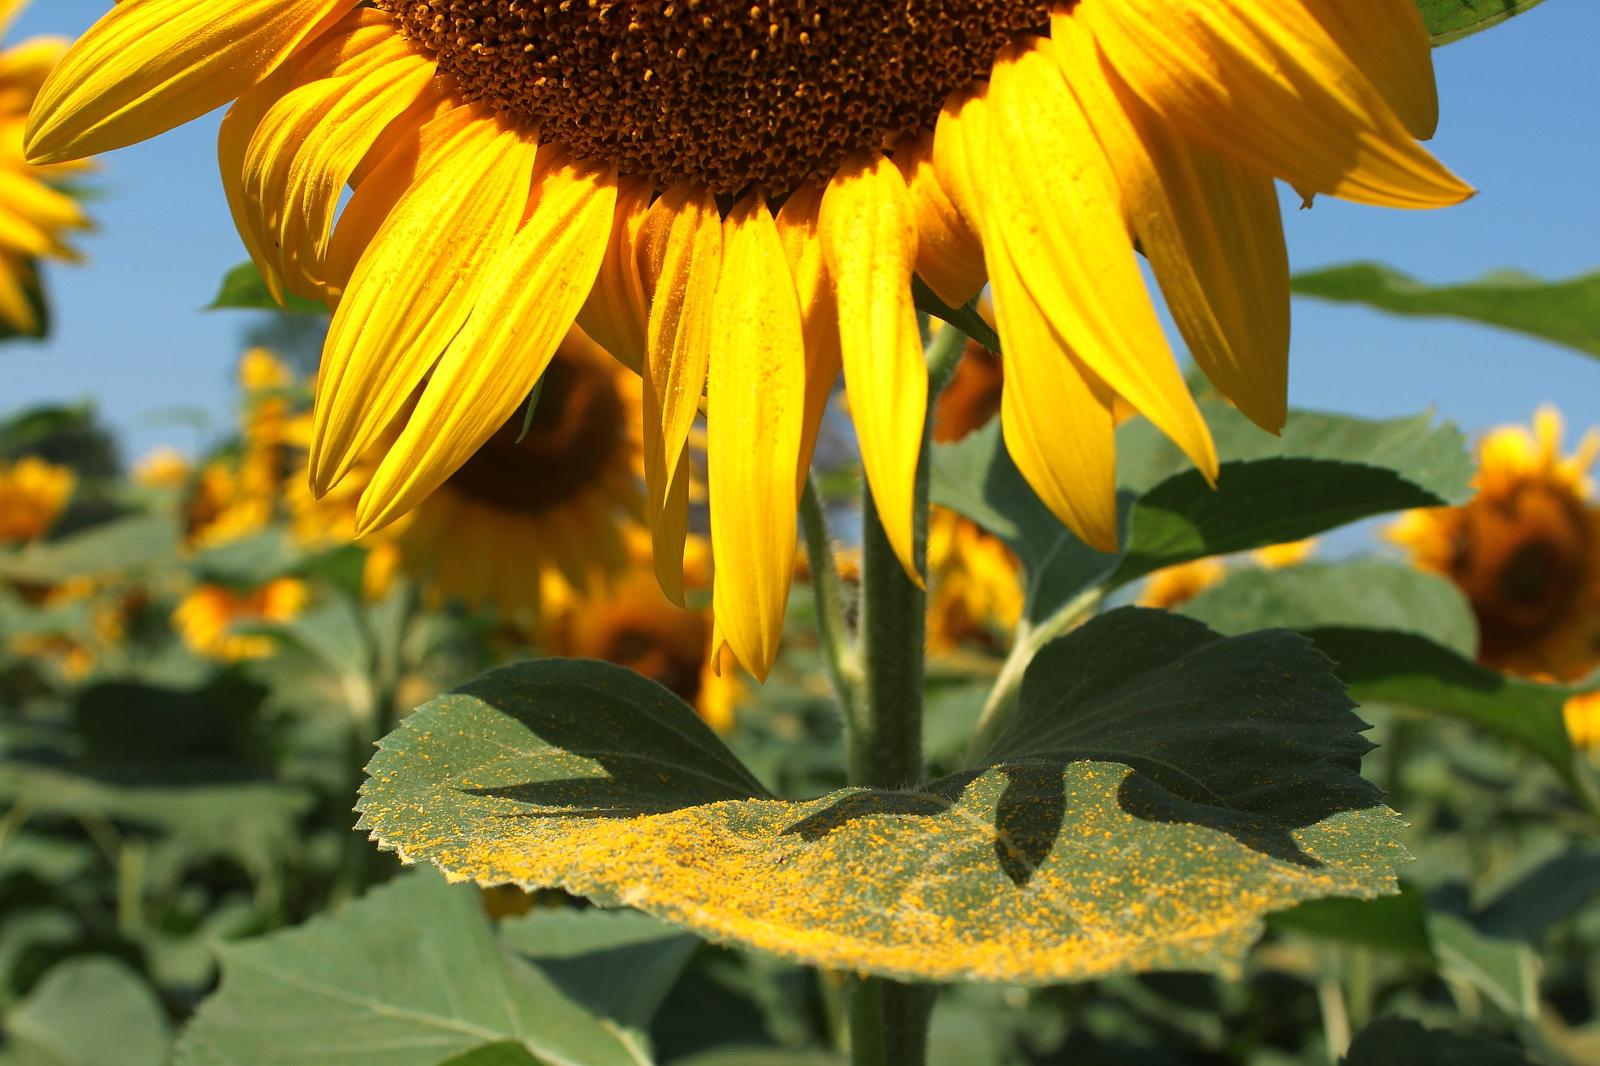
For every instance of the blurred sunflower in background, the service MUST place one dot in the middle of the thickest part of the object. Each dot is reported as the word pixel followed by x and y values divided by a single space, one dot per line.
pixel 1525 550
pixel 240 491
pixel 36 211
pixel 1174 586
pixel 33 493
pixel 212 618
pixel 734 199
pixel 546 493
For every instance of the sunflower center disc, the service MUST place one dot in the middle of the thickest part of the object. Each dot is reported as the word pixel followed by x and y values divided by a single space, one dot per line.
pixel 576 429
pixel 726 92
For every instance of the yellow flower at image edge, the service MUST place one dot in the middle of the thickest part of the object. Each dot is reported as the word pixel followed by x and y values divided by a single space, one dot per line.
pixel 206 618
pixel 33 493
pixel 35 215
pixel 733 199
pixel 1525 551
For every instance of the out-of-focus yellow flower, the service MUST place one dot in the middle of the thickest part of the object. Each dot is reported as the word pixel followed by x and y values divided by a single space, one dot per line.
pixel 162 468
pixel 1582 714
pixel 1281 556
pixel 554 500
pixel 974 585
pixel 33 493
pixel 1177 585
pixel 206 618
pixel 35 213
pixel 1525 550
pixel 237 495
pixel 73 658
pixel 629 621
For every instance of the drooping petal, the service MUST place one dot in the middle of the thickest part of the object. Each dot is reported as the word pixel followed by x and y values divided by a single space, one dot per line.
pixel 756 406
pixel 310 142
pixel 616 314
pixel 819 312
pixel 1388 40
pixel 1209 226
pixel 409 147
pixel 32 215
pixel 869 244
pixel 949 253
pixel 528 299
pixel 1052 199
pixel 150 65
pixel 1056 419
pixel 1264 82
pixel 417 282
pixel 680 260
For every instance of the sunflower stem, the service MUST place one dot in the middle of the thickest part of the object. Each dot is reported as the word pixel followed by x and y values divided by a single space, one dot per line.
pixel 844 671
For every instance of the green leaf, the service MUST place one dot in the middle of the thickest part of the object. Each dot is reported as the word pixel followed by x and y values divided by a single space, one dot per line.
pixel 244 289
pixel 759 1056
pixel 1451 20
pixel 1369 592
pixel 618 964
pixel 1391 667
pixel 410 975
pixel 1389 923
pixel 137 734
pixel 1269 501
pixel 124 544
pixel 585 776
pixel 1403 1042
pixel 1506 971
pixel 89 1011
pixel 1432 456
pixel 1548 894
pixel 1567 312
pixel 506 1054
pixel 252 560
pixel 977 478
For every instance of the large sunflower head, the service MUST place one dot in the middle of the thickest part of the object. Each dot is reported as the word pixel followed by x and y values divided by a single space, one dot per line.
pixel 733 199
pixel 1525 550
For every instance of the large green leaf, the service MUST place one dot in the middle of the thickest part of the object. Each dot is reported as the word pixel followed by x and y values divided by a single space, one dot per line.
pixel 1391 923
pixel 1268 501
pixel 1369 592
pixel 1451 20
pixel 124 544
pixel 1404 1042
pixel 1434 457
pixel 88 1011
pixel 243 289
pixel 1505 971
pixel 410 975
pixel 1567 312
pixel 584 776
pixel 1387 666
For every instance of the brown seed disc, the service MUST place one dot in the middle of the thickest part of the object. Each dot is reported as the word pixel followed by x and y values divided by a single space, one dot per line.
pixel 725 92
pixel 576 431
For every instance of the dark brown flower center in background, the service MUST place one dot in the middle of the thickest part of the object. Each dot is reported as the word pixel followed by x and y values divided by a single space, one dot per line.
pixel 577 428
pixel 719 91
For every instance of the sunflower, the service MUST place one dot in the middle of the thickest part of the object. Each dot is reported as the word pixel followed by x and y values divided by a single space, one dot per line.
pixel 238 494
pixel 631 622
pixel 1175 586
pixel 206 617
pixel 542 494
pixel 33 493
pixel 1525 550
pixel 733 198
pixel 35 213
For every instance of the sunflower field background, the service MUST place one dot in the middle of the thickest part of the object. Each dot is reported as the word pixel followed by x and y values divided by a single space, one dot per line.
pixel 1320 806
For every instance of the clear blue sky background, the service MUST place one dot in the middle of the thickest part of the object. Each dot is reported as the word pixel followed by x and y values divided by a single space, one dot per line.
pixel 1519 123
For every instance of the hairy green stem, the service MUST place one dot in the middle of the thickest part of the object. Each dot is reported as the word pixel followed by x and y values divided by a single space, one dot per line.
pixel 837 652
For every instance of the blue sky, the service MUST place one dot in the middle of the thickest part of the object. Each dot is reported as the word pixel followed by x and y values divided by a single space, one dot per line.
pixel 1518 123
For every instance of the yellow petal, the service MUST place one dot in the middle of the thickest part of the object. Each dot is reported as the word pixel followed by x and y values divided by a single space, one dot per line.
pixel 819 312
pixel 756 402
pixel 615 315
pixel 869 243
pixel 1056 418
pixel 1388 40
pixel 680 259
pixel 409 147
pixel 1052 199
pixel 9 10
pixel 949 254
pixel 417 282
pixel 17 276
pixel 1264 82
pixel 526 304
pixel 32 214
pixel 150 65
pixel 310 142
pixel 1210 228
